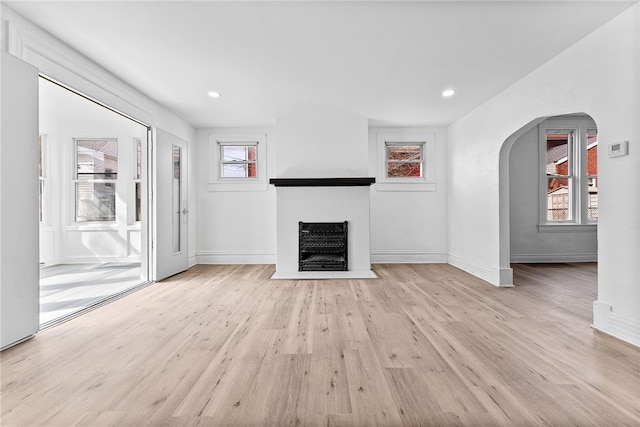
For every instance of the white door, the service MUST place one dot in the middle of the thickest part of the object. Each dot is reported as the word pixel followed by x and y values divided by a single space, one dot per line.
pixel 19 267
pixel 170 206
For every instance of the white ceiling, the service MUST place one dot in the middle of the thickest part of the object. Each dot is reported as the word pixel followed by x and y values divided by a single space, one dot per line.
pixel 387 61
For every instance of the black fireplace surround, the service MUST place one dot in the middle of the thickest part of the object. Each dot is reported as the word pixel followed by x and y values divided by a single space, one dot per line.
pixel 323 246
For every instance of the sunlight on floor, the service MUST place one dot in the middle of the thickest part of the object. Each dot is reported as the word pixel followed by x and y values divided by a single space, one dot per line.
pixel 68 288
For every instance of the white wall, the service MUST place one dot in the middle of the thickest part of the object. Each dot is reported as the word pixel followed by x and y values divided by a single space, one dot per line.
pixel 322 144
pixel 234 226
pixel 240 226
pixel 409 226
pixel 528 244
pixel 599 76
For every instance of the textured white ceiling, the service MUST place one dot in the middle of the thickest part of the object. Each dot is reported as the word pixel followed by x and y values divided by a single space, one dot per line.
pixel 386 61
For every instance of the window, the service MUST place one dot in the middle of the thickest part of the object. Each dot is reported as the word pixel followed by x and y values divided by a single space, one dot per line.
pixel 238 162
pixel 406 162
pixel 95 179
pixel 570 175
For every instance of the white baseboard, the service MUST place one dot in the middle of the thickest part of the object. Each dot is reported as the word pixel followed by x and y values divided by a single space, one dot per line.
pixel 96 260
pixel 244 257
pixel 408 257
pixel 501 277
pixel 550 258
pixel 611 323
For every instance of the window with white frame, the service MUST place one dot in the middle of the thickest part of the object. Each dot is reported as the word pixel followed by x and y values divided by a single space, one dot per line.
pixel 406 162
pixel 569 178
pixel 95 178
pixel 404 159
pixel 238 159
pixel 237 162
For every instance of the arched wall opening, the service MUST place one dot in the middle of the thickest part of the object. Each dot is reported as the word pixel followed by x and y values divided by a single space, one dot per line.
pixel 527 231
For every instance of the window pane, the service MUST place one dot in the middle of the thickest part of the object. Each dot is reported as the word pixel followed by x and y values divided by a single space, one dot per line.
pixel 40 157
pixel 138 201
pixel 95 201
pixel 558 199
pixel 238 153
pixel 404 152
pixel 592 214
pixel 177 196
pixel 404 161
pixel 41 201
pixel 97 159
pixel 138 159
pixel 592 153
pixel 404 170
pixel 239 170
pixel 558 153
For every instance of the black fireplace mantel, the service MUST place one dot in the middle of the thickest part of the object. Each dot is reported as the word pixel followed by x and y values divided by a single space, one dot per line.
pixel 322 182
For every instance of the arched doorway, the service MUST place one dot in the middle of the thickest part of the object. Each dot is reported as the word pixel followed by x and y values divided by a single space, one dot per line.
pixel 548 191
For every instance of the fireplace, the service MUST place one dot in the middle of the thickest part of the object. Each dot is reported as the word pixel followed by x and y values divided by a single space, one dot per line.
pixel 334 235
pixel 323 246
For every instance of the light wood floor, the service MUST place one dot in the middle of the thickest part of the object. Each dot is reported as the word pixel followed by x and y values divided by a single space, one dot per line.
pixel 422 345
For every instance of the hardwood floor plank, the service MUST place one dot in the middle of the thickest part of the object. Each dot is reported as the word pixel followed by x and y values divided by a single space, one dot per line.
pixel 425 344
pixel 371 397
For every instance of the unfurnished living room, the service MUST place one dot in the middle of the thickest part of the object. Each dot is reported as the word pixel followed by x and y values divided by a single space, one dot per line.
pixel 336 213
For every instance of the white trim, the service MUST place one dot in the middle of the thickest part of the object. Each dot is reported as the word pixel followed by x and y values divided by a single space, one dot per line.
pixel 611 323
pixel 567 228
pixel 554 258
pixel 239 257
pixel 425 183
pixel 500 277
pixel 217 183
pixel 408 257
pixel 193 259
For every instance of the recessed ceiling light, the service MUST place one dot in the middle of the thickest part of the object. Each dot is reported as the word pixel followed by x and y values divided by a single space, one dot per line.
pixel 448 93
pixel 214 94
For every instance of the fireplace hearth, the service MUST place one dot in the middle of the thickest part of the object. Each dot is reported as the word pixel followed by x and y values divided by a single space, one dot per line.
pixel 323 246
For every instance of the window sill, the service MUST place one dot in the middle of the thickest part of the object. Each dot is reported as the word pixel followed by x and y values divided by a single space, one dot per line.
pixel 567 228
pixel 243 185
pixel 94 226
pixel 405 186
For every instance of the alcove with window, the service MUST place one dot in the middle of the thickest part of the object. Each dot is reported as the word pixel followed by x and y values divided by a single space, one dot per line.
pixel 553 191
pixel 92 165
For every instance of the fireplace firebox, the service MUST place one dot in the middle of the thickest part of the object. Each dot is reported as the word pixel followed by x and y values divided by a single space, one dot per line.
pixel 323 246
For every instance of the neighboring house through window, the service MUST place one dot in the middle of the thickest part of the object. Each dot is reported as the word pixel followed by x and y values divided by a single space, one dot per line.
pixel 406 162
pixel 237 162
pixel 569 154
pixel 95 179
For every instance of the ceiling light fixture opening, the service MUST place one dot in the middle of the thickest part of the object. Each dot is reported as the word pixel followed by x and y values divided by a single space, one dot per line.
pixel 448 93
pixel 214 94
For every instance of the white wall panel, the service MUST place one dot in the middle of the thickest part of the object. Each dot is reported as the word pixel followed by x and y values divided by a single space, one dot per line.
pixel 19 266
